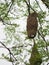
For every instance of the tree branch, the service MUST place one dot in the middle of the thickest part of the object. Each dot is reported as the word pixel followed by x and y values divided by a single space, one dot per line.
pixel 29 5
pixel 8 10
pixel 8 50
pixel 6 22
pixel 44 41
pixel 38 5
pixel 46 2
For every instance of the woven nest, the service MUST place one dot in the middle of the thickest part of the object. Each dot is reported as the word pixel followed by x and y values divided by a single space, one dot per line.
pixel 32 25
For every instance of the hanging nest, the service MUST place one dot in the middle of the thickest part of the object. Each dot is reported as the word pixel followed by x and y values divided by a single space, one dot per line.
pixel 32 25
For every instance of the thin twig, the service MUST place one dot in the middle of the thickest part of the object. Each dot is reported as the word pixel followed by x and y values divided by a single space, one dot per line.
pixel 8 50
pixel 29 5
pixel 46 2
pixel 8 10
pixel 44 41
pixel 5 23
pixel 38 5
pixel 47 63
pixel 6 14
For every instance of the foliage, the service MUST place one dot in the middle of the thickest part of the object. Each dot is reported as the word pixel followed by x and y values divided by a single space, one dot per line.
pixel 35 56
pixel 20 46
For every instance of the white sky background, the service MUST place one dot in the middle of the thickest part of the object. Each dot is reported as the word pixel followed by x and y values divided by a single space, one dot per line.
pixel 23 25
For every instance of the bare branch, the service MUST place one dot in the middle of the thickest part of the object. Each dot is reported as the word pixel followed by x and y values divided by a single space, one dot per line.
pixel 5 23
pixel 8 10
pixel 38 5
pixel 44 41
pixel 8 50
pixel 46 2
pixel 47 63
pixel 29 5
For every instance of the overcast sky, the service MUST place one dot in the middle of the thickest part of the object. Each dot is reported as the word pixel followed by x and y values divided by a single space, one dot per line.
pixel 2 35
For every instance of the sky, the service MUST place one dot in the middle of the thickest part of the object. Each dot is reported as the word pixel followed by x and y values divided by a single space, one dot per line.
pixel 2 37
pixel 2 34
pixel 4 62
pixel 2 50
